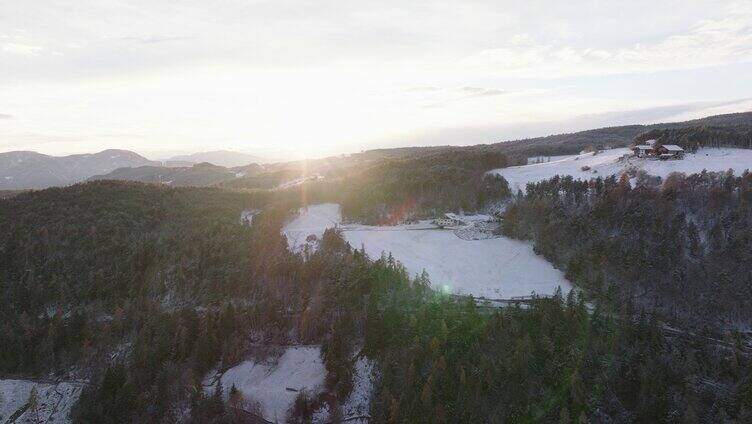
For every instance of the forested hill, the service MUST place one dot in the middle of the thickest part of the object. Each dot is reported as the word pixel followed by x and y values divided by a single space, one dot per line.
pixel 562 144
pixel 108 241
pixel 270 176
pixel 693 138
pixel 144 289
pixel 679 249
pixel 609 137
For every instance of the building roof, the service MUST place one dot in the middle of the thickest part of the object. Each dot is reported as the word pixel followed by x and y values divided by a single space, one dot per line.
pixel 645 147
pixel 672 148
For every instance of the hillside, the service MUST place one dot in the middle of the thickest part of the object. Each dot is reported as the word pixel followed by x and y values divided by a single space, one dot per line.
pixel 572 143
pixel 617 162
pixel 167 306
pixel 24 170
pixel 198 175
pixel 148 291
pixel 678 247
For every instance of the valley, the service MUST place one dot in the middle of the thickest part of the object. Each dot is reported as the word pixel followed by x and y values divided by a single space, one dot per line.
pixel 421 212
pixel 387 286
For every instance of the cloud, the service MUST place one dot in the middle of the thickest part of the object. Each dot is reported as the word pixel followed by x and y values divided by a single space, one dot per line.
pixel 157 39
pixel 482 134
pixel 422 89
pixel 710 42
pixel 20 49
pixel 440 97
pixel 380 68
pixel 481 92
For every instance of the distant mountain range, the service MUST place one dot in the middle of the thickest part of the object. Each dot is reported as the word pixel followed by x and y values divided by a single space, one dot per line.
pixel 32 170
pixel 226 158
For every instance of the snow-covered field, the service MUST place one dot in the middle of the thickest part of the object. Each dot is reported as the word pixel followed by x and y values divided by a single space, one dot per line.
pixel 53 401
pixel 496 268
pixel 267 382
pixel 612 162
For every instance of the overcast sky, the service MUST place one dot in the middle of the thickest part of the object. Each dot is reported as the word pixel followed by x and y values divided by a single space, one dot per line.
pixel 319 77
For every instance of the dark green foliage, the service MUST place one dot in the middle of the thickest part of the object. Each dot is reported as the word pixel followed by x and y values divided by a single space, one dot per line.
pixel 109 241
pixel 693 138
pixel 149 347
pixel 395 190
pixel 682 249
pixel 452 361
pixel 198 175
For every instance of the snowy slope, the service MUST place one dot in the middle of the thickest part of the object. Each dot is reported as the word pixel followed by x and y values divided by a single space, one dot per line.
pixel 494 268
pixel 54 401
pixel 705 159
pixel 613 162
pixel 497 268
pixel 266 382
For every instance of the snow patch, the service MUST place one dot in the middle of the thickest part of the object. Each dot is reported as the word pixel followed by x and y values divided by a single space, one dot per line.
pixel 616 161
pixel 275 384
pixel 495 268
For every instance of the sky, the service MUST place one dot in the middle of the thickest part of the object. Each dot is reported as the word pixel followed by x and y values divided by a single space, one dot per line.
pixel 289 78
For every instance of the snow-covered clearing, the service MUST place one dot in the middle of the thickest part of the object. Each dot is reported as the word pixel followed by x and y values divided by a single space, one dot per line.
pixel 496 268
pixel 276 382
pixel 614 162
pixel 53 401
